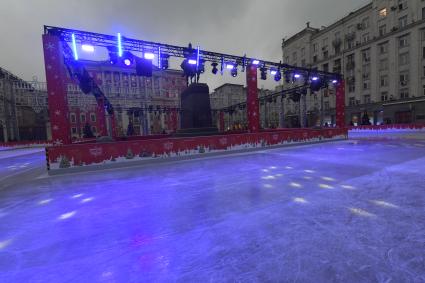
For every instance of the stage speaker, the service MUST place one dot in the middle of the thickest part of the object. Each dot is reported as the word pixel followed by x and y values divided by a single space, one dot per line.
pixel 143 67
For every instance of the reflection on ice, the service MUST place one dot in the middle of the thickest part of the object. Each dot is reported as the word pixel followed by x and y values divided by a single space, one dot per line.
pixel 45 201
pixel 325 186
pixel 300 200
pixel 328 179
pixel 307 177
pixel 270 177
pixel 87 200
pixel 384 204
pixel 361 212
pixel 67 215
pixel 77 196
pixel 309 171
pixel 295 185
pixel 5 243
pixel 268 186
pixel 347 187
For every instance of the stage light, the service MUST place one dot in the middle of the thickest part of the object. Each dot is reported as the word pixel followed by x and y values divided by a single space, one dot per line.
pixel 119 41
pixel 273 72
pixel 314 79
pixel 127 62
pixel 74 47
pixel 263 73
pixel 255 62
pixel 192 62
pixel 164 61
pixel 143 67
pixel 234 72
pixel 87 48
pixel 278 76
pixel 214 68
pixel 297 76
pixel 149 56
pixel 334 81
pixel 229 66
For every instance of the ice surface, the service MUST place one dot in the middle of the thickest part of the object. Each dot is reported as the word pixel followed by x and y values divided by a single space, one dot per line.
pixel 350 211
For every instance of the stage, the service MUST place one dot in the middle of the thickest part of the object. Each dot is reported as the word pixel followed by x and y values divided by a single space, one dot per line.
pixel 343 211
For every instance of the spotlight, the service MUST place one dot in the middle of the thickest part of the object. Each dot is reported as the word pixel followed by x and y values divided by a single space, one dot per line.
pixel 263 73
pixel 230 66
pixel 288 77
pixel 188 67
pixel 255 62
pixel 334 81
pixel 143 67
pixel 164 61
pixel 278 76
pixel 127 58
pixel 297 76
pixel 314 79
pixel 214 68
pixel 149 56
pixel 87 48
pixel 234 72
pixel 273 72
pixel 192 62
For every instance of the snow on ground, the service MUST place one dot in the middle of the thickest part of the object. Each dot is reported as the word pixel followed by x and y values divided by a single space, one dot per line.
pixel 18 152
pixel 350 211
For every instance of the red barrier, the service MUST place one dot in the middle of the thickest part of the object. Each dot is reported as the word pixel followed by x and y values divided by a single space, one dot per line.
pixel 102 153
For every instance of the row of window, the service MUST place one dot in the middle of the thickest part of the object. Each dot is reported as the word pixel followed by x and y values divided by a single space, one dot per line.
pixel 83 118
pixel 404 94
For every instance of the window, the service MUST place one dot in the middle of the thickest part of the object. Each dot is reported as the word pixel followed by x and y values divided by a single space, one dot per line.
pixel 423 34
pixel 382 30
pixel 366 55
pixel 326 54
pixel 326 105
pixel 94 130
pixel 326 67
pixel 402 5
pixel 92 117
pixel 74 130
pixel 366 99
pixel 383 48
pixel 423 88
pixel 314 58
pixel 315 47
pixel 384 80
pixel 294 57
pixel 423 52
pixel 423 71
pixel 383 13
pixel 351 87
pixel 73 118
pixel 366 85
pixel 365 23
pixel 423 13
pixel 352 101
pixel 403 41
pixel 383 64
pixel 403 59
pixel 365 37
pixel 402 22
pixel 303 52
pixel 384 96
pixel 404 78
pixel 404 93
pixel 303 63
pixel 83 118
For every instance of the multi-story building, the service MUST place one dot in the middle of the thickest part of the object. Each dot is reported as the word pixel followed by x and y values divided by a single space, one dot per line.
pixel 232 98
pixel 380 50
pixel 149 104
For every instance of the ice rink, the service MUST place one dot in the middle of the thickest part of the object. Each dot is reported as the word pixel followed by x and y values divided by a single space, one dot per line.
pixel 349 211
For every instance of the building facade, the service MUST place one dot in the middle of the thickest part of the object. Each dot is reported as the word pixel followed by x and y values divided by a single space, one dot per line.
pixel 149 105
pixel 231 100
pixel 380 50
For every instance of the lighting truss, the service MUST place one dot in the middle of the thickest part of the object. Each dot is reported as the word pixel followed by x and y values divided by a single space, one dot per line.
pixel 130 44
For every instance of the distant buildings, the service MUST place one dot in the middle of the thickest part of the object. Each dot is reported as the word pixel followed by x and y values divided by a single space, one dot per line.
pixel 146 102
pixel 380 49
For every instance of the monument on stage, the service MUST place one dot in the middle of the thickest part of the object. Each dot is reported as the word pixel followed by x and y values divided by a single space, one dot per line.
pixel 196 119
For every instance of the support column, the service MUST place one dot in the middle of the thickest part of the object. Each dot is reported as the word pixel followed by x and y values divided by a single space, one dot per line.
pixel 100 113
pixel 340 104
pixel 56 89
pixel 253 114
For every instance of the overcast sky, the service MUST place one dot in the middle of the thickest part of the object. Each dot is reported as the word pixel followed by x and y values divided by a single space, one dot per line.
pixel 254 27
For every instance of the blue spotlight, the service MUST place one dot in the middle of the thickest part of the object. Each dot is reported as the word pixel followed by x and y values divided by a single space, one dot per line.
pixel 74 47
pixel 192 62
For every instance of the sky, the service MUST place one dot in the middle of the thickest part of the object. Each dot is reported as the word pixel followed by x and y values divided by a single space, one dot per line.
pixel 252 27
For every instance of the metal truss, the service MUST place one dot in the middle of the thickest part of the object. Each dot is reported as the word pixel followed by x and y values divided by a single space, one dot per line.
pixel 129 44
